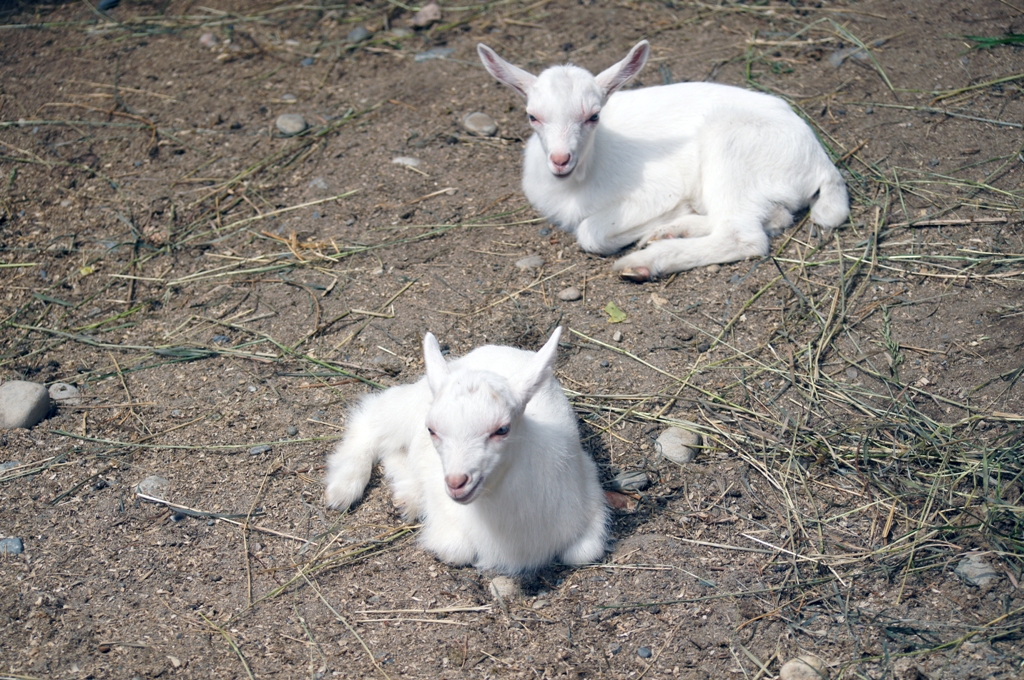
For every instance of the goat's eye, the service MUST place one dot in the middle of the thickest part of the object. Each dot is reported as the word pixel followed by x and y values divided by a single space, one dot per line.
pixel 533 118
pixel 501 431
pixel 594 118
pixel 432 433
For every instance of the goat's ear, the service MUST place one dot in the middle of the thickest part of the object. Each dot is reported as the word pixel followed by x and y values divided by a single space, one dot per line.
pixel 621 73
pixel 437 367
pixel 539 371
pixel 512 76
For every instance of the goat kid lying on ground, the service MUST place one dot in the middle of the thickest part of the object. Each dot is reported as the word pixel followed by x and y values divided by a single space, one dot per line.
pixel 722 167
pixel 484 451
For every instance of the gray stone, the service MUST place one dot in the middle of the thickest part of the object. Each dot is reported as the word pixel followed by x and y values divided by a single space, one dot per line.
pixel 570 294
pixel 644 652
pixel 407 161
pixel 65 394
pixel 805 667
pixel 480 124
pixel 9 464
pixel 22 404
pixel 433 53
pixel 292 430
pixel 154 486
pixel 976 571
pixel 358 34
pixel 430 13
pixel 259 450
pixel 208 40
pixel 530 262
pixel 714 268
pixel 11 546
pixel 289 99
pixel 291 123
pixel 631 480
pixel 505 589
pixel 677 445
pixel 318 184
pixel 617 336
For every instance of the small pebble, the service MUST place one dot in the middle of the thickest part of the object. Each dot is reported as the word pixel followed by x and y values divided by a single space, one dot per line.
pixel 570 294
pixel 480 124
pixel 976 571
pixel 851 373
pixel 257 450
pixel 407 161
pixel 221 339
pixel 358 34
pixel 23 404
pixel 617 336
pixel 631 480
pixel 104 5
pixel 292 430
pixel 704 346
pixel 685 336
pixel 155 486
pixel 9 464
pixel 208 40
pixel 644 653
pixel 178 516
pixel 289 98
pixel 176 413
pixel 677 445
pixel 291 123
pixel 433 53
pixel 605 363
pixel 11 546
pixel 252 388
pixel 806 667
pixel 65 394
pixel 539 604
pixel 505 588
pixel 318 183
pixel 544 231
pixel 530 262
pixel 308 61
pixel 429 14
pixel 714 268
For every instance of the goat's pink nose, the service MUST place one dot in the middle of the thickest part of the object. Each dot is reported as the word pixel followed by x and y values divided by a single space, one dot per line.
pixel 560 159
pixel 455 482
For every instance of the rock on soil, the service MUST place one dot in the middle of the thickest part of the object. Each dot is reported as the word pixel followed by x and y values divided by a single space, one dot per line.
pixel 678 445
pixel 806 667
pixel 976 571
pixel 358 34
pixel 430 13
pixel 154 486
pixel 631 480
pixel 480 124
pixel 570 294
pixel 530 262
pixel 504 588
pixel 291 123
pixel 65 395
pixel 11 546
pixel 23 404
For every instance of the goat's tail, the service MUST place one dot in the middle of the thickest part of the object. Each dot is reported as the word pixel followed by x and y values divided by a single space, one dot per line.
pixel 832 206
pixel 377 427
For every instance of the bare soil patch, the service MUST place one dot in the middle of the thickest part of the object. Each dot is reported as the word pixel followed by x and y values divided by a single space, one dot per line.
pixel 221 293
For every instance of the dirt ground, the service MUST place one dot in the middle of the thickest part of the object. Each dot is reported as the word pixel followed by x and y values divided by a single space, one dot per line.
pixel 220 294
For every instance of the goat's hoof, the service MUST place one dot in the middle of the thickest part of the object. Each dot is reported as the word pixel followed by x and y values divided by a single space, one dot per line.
pixel 635 274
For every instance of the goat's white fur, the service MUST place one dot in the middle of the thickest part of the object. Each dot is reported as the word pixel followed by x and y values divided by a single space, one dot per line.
pixel 723 167
pixel 510 499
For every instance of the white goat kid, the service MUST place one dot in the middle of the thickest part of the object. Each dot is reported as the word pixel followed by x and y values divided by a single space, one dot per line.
pixel 485 451
pixel 723 167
